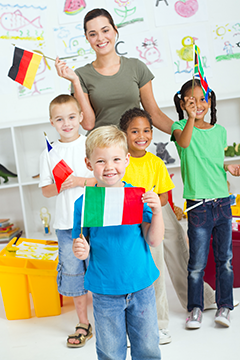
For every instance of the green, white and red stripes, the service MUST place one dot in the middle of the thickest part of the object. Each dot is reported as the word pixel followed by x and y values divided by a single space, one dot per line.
pixel 112 206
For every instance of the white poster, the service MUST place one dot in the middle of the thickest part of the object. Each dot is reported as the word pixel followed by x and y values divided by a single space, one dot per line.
pixel 226 40
pixel 73 11
pixel 128 15
pixel 70 41
pixel 147 47
pixel 169 12
pixel 181 43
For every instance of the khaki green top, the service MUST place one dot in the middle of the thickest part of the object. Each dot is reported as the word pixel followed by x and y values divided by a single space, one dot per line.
pixel 111 96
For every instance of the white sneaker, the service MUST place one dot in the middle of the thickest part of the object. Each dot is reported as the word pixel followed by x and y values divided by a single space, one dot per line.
pixel 194 320
pixel 222 317
pixel 165 337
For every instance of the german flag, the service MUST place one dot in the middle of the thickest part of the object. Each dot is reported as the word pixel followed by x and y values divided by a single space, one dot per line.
pixel 24 67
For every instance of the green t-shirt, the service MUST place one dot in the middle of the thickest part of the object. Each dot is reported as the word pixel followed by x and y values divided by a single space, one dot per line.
pixel 111 96
pixel 202 162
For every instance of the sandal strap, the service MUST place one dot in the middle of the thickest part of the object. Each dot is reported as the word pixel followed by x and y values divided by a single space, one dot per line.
pixel 83 327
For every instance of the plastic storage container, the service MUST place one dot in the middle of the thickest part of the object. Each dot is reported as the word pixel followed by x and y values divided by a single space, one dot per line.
pixel 210 270
pixel 19 276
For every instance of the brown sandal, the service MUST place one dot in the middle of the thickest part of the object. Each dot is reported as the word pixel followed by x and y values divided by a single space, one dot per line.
pixel 80 337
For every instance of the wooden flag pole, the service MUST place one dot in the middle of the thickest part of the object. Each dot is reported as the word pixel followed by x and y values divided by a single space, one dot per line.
pixel 193 66
pixel 85 183
pixel 47 57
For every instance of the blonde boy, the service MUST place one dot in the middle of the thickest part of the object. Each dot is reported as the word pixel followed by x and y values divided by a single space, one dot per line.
pixel 65 117
pixel 121 269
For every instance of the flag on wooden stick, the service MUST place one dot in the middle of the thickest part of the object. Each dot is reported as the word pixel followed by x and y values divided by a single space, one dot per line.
pixel 24 67
pixel 112 206
pixel 59 167
pixel 199 72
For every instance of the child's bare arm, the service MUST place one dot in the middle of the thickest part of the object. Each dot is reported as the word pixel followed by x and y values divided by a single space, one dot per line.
pixel 183 137
pixel 153 232
pixel 163 198
pixel 49 190
pixel 81 248
pixel 234 169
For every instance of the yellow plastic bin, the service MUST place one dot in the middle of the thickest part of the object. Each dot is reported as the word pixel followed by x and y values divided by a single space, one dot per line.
pixel 19 276
pixel 14 288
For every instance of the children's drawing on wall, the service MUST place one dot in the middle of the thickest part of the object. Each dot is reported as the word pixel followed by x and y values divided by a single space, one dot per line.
pixel 43 82
pixel 128 15
pixel 70 11
pixel 226 39
pixel 147 47
pixel 70 40
pixel 181 43
pixel 179 12
pixel 22 22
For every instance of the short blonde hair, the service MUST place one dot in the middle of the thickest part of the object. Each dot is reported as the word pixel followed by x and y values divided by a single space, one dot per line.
pixel 105 136
pixel 63 99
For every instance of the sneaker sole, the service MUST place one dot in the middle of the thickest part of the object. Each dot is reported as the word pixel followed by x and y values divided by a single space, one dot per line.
pixel 166 341
pixel 222 322
pixel 193 325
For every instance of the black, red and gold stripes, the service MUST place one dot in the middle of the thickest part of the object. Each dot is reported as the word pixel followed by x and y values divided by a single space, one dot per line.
pixel 24 67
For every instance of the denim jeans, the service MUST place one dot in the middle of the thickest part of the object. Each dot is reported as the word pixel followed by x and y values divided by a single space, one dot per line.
pixel 133 314
pixel 211 218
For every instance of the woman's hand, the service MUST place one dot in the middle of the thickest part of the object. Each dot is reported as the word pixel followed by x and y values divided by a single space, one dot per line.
pixel 64 71
pixel 81 248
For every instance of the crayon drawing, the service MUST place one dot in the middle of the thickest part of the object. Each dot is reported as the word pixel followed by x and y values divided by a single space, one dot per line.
pixel 73 11
pixel 147 47
pixel 226 40
pixel 43 82
pixel 70 40
pixel 22 22
pixel 169 12
pixel 128 15
pixel 181 44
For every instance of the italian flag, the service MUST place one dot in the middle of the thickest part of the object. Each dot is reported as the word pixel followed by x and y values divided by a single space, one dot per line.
pixel 112 206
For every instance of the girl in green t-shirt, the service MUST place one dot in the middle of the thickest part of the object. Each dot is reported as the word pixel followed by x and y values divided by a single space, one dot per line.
pixel 200 145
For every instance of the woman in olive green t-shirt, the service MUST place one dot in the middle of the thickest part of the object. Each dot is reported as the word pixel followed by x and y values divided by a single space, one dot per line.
pixel 110 85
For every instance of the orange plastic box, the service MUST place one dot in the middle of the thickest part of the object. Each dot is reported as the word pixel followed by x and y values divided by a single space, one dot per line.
pixel 19 276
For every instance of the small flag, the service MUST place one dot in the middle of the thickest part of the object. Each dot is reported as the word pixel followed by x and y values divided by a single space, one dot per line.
pixel 59 167
pixel 24 67
pixel 112 206
pixel 198 71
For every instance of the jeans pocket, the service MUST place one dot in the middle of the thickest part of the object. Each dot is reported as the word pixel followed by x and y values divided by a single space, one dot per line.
pixel 225 209
pixel 197 217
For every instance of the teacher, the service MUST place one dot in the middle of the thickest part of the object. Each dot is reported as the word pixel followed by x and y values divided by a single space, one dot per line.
pixel 111 84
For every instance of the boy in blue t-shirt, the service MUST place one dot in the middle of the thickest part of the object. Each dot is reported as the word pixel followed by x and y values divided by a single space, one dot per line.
pixel 121 270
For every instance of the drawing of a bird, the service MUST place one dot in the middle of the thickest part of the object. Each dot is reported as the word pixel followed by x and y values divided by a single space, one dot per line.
pixel 186 52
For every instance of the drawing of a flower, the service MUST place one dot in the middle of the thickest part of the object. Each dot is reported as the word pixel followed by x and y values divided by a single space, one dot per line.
pixel 123 2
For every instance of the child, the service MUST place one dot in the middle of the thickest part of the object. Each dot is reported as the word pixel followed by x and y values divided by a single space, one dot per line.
pixel 149 171
pixel 121 270
pixel 200 145
pixel 66 116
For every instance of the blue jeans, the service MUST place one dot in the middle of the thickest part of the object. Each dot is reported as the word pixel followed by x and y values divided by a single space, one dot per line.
pixel 211 218
pixel 133 314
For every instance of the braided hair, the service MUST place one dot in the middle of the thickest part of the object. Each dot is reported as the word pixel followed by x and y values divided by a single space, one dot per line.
pixel 132 114
pixel 181 94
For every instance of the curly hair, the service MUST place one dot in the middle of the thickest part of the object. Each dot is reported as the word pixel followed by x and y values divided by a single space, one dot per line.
pixel 132 114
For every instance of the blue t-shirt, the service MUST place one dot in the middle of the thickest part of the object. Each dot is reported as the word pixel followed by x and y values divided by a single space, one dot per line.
pixel 120 259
